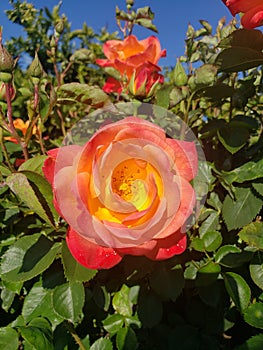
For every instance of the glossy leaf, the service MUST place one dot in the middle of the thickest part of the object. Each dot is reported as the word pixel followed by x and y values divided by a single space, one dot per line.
pixel 38 333
pixel 102 344
pixel 32 189
pixel 126 339
pixel 8 338
pixel 68 300
pixel 121 302
pixel 241 210
pixel 28 257
pixel 113 323
pixel 252 234
pixel 238 289
pixel 256 269
pixel 75 272
pixel 254 315
pixel 212 240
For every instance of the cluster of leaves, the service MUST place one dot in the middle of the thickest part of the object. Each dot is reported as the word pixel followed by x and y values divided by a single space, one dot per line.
pixel 211 296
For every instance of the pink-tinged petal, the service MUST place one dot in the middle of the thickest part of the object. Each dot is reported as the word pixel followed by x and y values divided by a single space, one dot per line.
pixel 49 165
pixel 186 160
pixel 186 208
pixel 168 247
pixel 90 254
pixel 142 249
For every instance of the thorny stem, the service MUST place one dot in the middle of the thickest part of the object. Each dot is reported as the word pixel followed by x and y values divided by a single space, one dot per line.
pixel 39 131
pixel 11 123
pixel 61 121
pixel 73 333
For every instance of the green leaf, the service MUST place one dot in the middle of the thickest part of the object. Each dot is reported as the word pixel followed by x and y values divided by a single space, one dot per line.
pixel 233 137
pixel 258 187
pixel 236 59
pixel 198 244
pixel 205 75
pixel 254 315
pixel 247 172
pixel 253 343
pixel 121 302
pixel 163 96
pixel 8 338
pixel 150 309
pixel 101 297
pixel 68 300
pixel 75 272
pixel 252 234
pixel 238 289
pixel 28 257
pixel 34 164
pixel 241 210
pixel 126 339
pixel 244 38
pixel 212 240
pixel 102 344
pixel 146 23
pixel 210 223
pixel 256 269
pixel 38 303
pixel 38 333
pixel 207 274
pixel 113 323
pixel 32 189
pixel 84 93
pixel 167 283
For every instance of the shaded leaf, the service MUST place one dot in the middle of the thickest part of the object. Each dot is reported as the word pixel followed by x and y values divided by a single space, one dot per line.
pixel 253 343
pixel 168 283
pixel 121 301
pixel 254 315
pixel 256 269
pixel 68 300
pixel 233 137
pixel 126 339
pixel 38 333
pixel 28 257
pixel 238 289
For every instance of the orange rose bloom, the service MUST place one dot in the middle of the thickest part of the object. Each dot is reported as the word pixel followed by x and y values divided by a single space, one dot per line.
pixel 128 56
pixel 252 10
pixel 126 191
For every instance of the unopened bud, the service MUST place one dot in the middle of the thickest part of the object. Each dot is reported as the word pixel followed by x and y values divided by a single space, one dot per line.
pixel 6 60
pixel 3 87
pixel 59 27
pixel 180 76
pixel 35 69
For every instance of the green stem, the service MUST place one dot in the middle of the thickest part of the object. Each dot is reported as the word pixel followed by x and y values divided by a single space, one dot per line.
pixel 73 333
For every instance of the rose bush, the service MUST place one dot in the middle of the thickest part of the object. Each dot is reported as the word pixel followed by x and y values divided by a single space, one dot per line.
pixel 129 56
pixel 126 191
pixel 252 11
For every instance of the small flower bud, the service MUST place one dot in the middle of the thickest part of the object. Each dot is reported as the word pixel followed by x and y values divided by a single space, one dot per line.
pixel 35 69
pixel 6 60
pixel 3 87
pixel 59 27
pixel 180 76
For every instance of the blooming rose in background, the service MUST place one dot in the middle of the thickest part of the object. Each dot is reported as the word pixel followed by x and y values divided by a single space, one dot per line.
pixel 125 192
pixel 252 11
pixel 19 124
pixel 129 57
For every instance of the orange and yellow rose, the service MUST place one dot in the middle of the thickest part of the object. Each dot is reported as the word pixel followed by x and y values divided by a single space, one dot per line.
pixel 130 56
pixel 125 192
pixel 252 11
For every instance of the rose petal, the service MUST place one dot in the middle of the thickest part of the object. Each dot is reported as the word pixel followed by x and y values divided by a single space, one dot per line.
pixel 89 254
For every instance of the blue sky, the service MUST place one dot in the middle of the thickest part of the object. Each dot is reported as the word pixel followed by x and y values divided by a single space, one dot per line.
pixel 171 18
